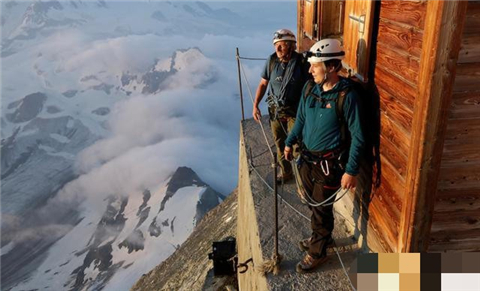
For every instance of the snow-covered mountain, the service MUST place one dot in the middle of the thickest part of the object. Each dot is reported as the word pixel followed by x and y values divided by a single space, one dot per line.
pixel 100 101
pixel 131 237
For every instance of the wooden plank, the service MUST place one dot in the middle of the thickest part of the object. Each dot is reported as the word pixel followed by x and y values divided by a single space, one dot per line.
pixel 443 204
pixel 397 158
pixel 357 36
pixel 468 77
pixel 442 235
pixel 465 105
pixel 455 246
pixel 309 18
pixel 461 173
pixel 455 241
pixel 470 51
pixel 457 220
pixel 395 134
pixel 386 208
pixel 380 237
pixel 395 110
pixel 464 186
pixel 404 92
pixel 461 153
pixel 472 19
pixel 462 194
pixel 407 12
pixel 441 46
pixel 391 189
pixel 300 25
pixel 389 200
pixel 398 61
pixel 332 20
pixel 400 37
pixel 462 130
pixel 384 227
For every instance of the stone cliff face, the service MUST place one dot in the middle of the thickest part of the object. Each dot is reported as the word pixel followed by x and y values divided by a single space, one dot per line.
pixel 189 267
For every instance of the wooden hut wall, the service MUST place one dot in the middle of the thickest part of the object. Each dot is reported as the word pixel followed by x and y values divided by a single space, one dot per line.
pixel 456 218
pixel 399 45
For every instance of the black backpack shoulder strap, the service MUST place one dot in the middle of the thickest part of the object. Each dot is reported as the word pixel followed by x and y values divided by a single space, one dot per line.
pixel 308 89
pixel 341 113
pixel 273 59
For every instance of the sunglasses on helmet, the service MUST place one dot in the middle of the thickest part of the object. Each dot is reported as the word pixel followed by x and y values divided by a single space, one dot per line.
pixel 278 35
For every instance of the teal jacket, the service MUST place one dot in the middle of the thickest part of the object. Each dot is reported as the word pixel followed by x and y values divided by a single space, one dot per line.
pixel 317 124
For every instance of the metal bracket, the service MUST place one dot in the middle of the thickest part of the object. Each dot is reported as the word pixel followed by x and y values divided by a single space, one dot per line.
pixel 361 22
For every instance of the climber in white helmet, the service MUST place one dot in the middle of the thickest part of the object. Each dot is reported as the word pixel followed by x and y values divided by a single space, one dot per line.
pixel 331 141
pixel 284 74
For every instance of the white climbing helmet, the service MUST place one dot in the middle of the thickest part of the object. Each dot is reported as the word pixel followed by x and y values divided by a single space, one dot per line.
pixel 326 49
pixel 283 35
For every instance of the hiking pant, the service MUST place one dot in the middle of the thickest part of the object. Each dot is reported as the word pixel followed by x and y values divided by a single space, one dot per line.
pixel 279 126
pixel 320 187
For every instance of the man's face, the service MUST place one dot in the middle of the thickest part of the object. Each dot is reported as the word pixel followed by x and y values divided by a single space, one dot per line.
pixel 282 48
pixel 318 72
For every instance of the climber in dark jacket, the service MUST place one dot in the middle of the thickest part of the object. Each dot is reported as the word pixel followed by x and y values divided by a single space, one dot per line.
pixel 284 74
pixel 329 160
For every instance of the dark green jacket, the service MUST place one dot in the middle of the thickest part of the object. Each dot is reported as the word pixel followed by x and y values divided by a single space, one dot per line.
pixel 318 127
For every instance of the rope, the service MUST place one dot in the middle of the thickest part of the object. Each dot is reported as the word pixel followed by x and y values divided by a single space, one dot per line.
pixel 261 124
pixel 308 219
pixel 265 182
pixel 280 196
pixel 252 59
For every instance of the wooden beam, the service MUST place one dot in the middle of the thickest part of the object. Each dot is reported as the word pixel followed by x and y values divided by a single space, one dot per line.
pixel 300 25
pixel 440 49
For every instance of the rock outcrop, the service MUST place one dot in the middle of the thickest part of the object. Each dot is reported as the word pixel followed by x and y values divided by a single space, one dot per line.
pixel 189 267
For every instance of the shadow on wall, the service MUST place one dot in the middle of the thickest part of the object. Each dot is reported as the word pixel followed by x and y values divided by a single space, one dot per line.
pixel 370 172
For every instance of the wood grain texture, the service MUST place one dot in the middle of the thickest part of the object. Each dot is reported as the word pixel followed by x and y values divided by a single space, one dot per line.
pixel 472 19
pixel 407 12
pixel 385 226
pixel 398 61
pixel 456 220
pixel 395 110
pixel 468 77
pixel 470 193
pixel 470 51
pixel 446 204
pixel 466 240
pixel 357 42
pixel 388 200
pixel 397 158
pixel 462 131
pixel 440 50
pixel 332 25
pixel 309 13
pixel 400 37
pixel 394 133
pixel 466 105
pixel 405 92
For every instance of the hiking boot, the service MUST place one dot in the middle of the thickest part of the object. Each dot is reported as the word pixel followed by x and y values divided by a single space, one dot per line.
pixel 284 178
pixel 304 244
pixel 309 264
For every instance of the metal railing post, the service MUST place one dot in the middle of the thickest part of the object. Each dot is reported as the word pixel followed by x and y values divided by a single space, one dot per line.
pixel 240 84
